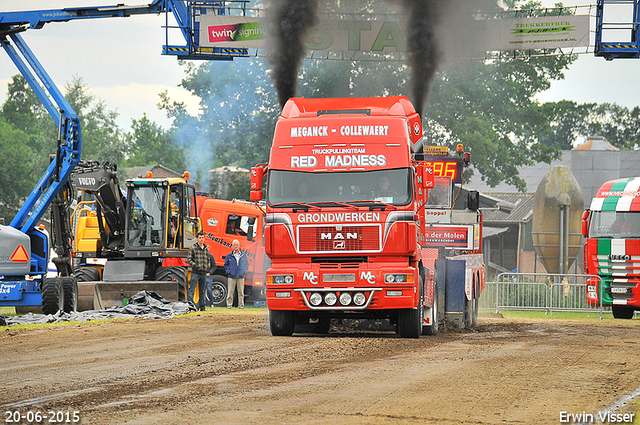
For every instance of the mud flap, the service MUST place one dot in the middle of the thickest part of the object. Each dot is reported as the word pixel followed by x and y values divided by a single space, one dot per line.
pixel 454 278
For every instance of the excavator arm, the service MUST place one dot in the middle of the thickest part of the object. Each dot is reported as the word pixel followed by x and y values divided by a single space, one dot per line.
pixel 100 179
pixel 24 248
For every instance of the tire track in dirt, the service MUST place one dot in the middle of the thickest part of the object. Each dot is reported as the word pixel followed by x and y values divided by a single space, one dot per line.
pixel 224 367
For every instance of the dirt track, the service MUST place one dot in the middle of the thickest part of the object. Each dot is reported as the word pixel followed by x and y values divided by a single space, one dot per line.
pixel 224 367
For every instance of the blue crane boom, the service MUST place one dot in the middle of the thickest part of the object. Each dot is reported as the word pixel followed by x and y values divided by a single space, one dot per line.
pixel 69 140
pixel 24 248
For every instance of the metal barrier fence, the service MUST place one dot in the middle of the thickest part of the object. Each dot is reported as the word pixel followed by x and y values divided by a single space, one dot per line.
pixel 537 291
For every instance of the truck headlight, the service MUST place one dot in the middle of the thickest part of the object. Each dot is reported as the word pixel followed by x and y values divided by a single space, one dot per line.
pixel 398 278
pixel 359 298
pixel 280 279
pixel 330 298
pixel 345 298
pixel 315 299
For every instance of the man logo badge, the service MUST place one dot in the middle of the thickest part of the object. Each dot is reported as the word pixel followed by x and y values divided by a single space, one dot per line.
pixel 338 244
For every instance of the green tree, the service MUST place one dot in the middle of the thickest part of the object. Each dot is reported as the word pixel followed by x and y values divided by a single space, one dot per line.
pixel 24 111
pixel 102 139
pixel 567 122
pixel 239 187
pixel 618 124
pixel 150 144
pixel 490 109
pixel 16 179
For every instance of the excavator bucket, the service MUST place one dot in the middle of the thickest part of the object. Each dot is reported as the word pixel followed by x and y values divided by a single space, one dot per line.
pixel 102 295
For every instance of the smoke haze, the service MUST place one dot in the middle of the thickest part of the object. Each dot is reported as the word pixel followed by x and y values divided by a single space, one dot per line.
pixel 290 21
pixel 423 51
pixel 438 32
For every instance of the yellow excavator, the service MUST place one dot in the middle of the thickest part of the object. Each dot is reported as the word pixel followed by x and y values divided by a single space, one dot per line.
pixel 128 242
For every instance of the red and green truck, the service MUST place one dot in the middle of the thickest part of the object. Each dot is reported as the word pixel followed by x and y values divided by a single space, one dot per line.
pixel 612 251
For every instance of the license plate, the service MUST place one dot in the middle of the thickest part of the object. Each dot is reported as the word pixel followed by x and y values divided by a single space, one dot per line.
pixel 618 290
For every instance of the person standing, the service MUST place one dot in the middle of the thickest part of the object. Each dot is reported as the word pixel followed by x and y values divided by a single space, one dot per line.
pixel 210 281
pixel 236 265
pixel 200 261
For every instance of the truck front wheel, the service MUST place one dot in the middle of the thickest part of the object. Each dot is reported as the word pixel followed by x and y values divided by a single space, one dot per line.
pixel 620 312
pixel 410 320
pixel 219 290
pixel 281 322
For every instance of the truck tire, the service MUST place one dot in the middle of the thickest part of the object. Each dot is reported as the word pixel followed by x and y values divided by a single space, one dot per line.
pixel 435 310
pixel 86 274
pixel 219 290
pixel 410 319
pixel 281 322
pixel 52 296
pixel 174 273
pixel 621 312
pixel 70 291
pixel 470 313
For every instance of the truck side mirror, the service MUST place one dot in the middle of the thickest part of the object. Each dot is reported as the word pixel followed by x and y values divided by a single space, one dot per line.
pixel 251 221
pixel 473 200
pixel 257 174
pixel 585 223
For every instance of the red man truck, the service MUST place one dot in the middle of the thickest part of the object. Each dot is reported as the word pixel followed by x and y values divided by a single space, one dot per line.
pixel 612 250
pixel 345 206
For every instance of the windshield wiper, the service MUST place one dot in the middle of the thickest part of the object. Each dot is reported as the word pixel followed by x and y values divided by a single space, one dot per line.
pixel 294 205
pixel 372 204
pixel 332 203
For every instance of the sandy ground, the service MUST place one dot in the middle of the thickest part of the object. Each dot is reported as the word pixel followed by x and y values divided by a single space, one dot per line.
pixel 224 366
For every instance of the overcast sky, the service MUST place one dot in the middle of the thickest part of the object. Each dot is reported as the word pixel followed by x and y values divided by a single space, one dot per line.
pixel 120 60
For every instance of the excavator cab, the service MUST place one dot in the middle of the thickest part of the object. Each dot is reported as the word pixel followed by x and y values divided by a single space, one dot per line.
pixel 161 218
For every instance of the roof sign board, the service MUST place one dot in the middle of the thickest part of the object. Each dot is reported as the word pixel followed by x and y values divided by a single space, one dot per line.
pixel 373 34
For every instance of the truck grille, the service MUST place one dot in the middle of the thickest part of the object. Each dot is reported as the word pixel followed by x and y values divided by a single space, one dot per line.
pixel 619 274
pixel 317 239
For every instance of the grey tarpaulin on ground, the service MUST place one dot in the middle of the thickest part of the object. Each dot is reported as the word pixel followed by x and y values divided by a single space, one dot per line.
pixel 145 304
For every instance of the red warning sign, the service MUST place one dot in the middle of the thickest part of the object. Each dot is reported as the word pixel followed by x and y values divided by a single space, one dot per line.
pixel 20 255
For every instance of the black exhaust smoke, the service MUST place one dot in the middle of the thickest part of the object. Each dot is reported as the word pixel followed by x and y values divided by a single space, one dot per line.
pixel 423 52
pixel 290 22
pixel 429 22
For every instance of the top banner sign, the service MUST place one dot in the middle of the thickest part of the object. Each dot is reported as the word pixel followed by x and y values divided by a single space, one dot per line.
pixel 537 33
pixel 390 36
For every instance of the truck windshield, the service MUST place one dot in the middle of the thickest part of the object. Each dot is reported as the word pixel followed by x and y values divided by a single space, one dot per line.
pixel 615 224
pixel 387 186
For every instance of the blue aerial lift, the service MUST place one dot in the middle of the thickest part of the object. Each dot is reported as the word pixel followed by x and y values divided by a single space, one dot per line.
pixel 24 245
pixel 617 24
